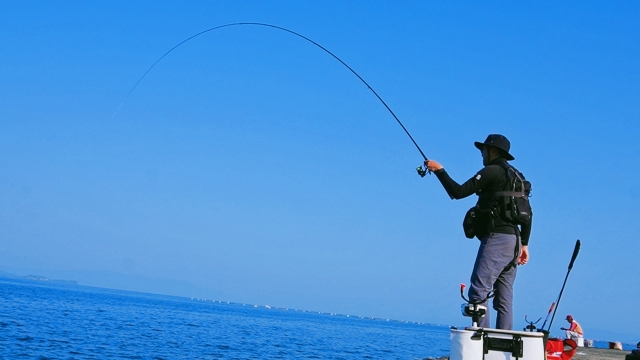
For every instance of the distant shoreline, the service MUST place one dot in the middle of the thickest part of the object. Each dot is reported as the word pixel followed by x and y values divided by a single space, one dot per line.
pixel 40 278
pixel 37 278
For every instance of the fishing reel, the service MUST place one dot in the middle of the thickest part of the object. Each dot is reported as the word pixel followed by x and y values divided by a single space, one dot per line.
pixel 532 324
pixel 473 309
pixel 422 171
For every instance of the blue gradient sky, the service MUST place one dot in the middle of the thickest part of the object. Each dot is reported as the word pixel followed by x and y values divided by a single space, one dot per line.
pixel 250 166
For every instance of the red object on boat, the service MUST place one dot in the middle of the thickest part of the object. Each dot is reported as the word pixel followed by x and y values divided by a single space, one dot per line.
pixel 559 349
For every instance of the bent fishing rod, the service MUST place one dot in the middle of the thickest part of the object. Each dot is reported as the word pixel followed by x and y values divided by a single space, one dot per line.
pixel 422 172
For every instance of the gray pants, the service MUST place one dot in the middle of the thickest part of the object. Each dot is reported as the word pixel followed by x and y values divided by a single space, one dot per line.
pixel 496 252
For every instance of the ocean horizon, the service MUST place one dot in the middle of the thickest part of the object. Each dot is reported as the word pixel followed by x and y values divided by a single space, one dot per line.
pixel 49 320
pixel 53 319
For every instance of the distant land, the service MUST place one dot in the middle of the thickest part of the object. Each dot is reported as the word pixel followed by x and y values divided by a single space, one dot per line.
pixel 117 281
pixel 37 278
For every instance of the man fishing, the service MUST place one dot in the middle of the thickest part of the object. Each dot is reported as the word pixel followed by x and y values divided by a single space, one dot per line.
pixel 574 331
pixel 500 250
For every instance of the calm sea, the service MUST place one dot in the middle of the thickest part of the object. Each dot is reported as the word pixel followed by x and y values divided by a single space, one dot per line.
pixel 43 320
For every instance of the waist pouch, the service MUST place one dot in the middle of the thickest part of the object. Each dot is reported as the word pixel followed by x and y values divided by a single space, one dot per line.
pixel 477 222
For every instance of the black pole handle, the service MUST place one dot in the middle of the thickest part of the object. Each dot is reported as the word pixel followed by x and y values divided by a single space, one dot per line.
pixel 573 258
pixel 575 254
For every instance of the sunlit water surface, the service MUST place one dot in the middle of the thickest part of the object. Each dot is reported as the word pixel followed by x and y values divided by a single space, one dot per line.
pixel 41 320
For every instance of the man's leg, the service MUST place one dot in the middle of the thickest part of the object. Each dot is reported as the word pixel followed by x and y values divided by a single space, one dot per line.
pixel 495 253
pixel 481 282
pixel 572 335
pixel 503 301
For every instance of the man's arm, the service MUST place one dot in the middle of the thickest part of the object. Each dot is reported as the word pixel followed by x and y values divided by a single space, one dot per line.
pixel 525 233
pixel 455 190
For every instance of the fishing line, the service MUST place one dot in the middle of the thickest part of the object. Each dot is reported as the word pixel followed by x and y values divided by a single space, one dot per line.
pixel 291 32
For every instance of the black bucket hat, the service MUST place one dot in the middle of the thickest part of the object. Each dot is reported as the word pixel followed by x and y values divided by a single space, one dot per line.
pixel 497 141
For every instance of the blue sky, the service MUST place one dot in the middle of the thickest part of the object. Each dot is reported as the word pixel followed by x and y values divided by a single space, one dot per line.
pixel 250 166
